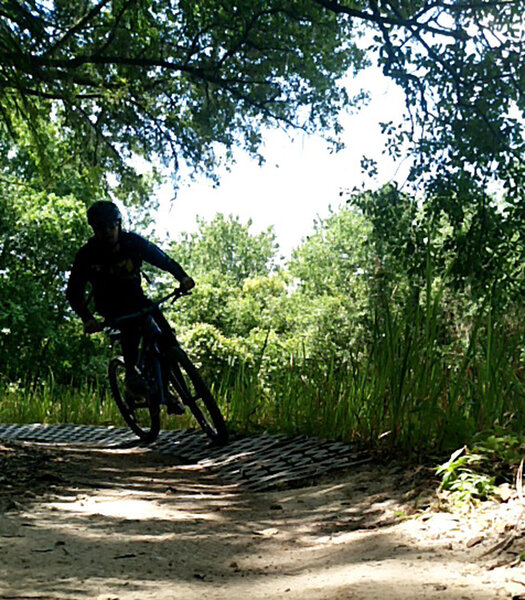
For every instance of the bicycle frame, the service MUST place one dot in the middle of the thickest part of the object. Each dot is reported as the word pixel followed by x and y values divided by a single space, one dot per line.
pixel 150 336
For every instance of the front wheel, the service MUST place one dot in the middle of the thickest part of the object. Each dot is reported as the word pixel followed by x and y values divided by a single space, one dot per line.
pixel 140 414
pixel 186 381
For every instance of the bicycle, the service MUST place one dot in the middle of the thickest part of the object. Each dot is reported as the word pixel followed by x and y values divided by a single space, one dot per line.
pixel 167 372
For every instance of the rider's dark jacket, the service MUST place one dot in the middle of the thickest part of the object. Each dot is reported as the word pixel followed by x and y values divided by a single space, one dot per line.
pixel 115 276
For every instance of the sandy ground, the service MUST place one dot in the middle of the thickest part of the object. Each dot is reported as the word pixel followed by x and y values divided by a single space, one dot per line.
pixel 131 525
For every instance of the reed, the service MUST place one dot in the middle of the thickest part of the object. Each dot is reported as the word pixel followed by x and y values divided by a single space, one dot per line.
pixel 408 390
pixel 51 403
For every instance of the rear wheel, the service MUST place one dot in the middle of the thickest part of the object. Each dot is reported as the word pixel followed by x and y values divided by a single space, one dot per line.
pixel 140 414
pixel 186 381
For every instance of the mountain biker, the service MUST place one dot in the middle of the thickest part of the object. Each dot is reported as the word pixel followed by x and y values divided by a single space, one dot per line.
pixel 110 262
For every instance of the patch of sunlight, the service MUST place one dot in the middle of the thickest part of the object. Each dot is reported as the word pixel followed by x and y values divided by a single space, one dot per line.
pixel 130 509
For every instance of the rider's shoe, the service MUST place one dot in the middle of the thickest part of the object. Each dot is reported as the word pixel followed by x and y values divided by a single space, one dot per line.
pixel 136 387
pixel 173 405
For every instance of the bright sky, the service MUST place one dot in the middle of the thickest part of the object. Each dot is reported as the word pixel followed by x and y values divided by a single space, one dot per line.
pixel 300 179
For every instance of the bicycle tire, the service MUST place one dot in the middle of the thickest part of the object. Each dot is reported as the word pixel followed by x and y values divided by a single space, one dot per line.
pixel 186 380
pixel 143 418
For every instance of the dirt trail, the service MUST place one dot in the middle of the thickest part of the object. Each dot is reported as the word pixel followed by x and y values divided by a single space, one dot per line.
pixel 131 525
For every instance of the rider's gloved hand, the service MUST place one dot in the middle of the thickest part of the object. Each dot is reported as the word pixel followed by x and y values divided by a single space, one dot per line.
pixel 93 326
pixel 187 284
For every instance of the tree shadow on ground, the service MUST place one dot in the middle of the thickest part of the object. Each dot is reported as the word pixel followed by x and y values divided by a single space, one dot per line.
pixel 131 522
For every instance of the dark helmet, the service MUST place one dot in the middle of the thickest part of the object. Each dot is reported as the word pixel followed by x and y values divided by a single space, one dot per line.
pixel 103 213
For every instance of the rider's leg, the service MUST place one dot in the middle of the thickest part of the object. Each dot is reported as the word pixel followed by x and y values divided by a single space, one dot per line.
pixel 129 341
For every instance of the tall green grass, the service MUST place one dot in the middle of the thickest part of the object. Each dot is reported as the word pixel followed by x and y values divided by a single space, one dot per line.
pixel 51 403
pixel 408 390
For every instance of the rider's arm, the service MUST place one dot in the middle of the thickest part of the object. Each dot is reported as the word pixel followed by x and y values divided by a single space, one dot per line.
pixel 156 257
pixel 76 290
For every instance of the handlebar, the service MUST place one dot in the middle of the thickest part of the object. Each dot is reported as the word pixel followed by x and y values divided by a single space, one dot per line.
pixel 173 296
